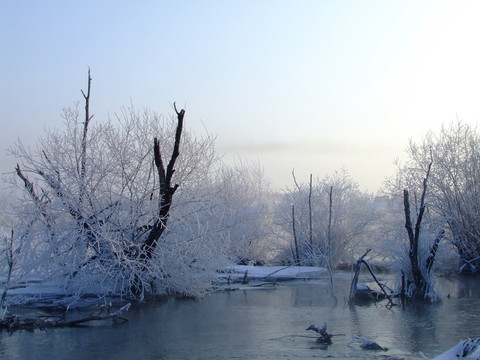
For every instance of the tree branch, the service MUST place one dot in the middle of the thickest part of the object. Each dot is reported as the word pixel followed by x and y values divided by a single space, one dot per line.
pixel 84 139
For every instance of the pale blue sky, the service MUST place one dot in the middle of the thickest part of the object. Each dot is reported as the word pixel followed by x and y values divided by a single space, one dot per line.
pixel 311 85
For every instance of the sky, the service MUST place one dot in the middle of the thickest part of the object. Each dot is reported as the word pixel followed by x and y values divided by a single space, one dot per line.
pixel 315 86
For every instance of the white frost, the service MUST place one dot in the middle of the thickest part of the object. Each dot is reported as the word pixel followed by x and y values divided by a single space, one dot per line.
pixel 465 349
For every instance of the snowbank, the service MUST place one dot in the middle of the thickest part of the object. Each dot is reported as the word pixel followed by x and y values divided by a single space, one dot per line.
pixel 52 293
pixel 272 273
pixel 465 349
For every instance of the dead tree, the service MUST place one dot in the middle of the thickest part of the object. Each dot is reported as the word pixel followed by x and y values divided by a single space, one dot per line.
pixel 310 228
pixel 166 190
pixel 329 254
pixel 419 279
pixel 83 165
pixel 296 255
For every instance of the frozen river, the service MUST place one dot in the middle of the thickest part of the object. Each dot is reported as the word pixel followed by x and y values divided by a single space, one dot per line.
pixel 264 324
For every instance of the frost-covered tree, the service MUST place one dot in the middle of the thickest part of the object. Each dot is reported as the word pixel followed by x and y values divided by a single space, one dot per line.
pixel 129 206
pixel 454 185
pixel 243 196
pixel 325 219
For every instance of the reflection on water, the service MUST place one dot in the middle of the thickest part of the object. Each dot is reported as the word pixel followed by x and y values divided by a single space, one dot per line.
pixel 264 324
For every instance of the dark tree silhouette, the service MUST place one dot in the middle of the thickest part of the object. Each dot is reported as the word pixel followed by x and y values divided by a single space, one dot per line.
pixel 419 277
pixel 166 190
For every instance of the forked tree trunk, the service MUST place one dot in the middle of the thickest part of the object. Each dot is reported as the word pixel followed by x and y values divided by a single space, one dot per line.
pixel 419 278
pixel 166 190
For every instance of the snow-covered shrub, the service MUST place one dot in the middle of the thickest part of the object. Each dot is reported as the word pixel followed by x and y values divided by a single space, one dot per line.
pixel 243 210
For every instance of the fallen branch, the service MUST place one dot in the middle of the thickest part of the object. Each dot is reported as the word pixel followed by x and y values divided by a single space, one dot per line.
pixel 14 322
pixel 353 286
pixel 278 270
pixel 380 285
pixel 98 316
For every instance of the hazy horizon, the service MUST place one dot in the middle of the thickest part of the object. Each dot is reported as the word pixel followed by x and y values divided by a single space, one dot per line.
pixel 313 85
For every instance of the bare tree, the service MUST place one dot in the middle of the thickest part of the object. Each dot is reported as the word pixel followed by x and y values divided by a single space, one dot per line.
pixel 166 190
pixel 418 282
pixel 296 254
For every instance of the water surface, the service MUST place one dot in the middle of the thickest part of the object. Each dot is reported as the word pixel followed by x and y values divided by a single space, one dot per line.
pixel 264 324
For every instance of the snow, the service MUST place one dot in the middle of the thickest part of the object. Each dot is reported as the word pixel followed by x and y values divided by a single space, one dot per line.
pixel 52 294
pixel 367 344
pixel 273 273
pixel 363 286
pixel 465 349
pixel 38 288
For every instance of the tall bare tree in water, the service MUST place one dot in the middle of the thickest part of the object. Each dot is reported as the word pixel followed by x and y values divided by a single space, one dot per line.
pixel 417 282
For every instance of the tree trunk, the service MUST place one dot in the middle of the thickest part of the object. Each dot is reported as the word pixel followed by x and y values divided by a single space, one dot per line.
pixel 420 279
pixel 166 190
pixel 413 239
pixel 353 285
pixel 310 212
pixel 296 254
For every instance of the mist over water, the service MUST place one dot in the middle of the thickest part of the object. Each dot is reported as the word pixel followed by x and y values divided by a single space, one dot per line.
pixel 265 324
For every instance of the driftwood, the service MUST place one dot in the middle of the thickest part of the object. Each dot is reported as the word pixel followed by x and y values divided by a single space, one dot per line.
pixel 15 322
